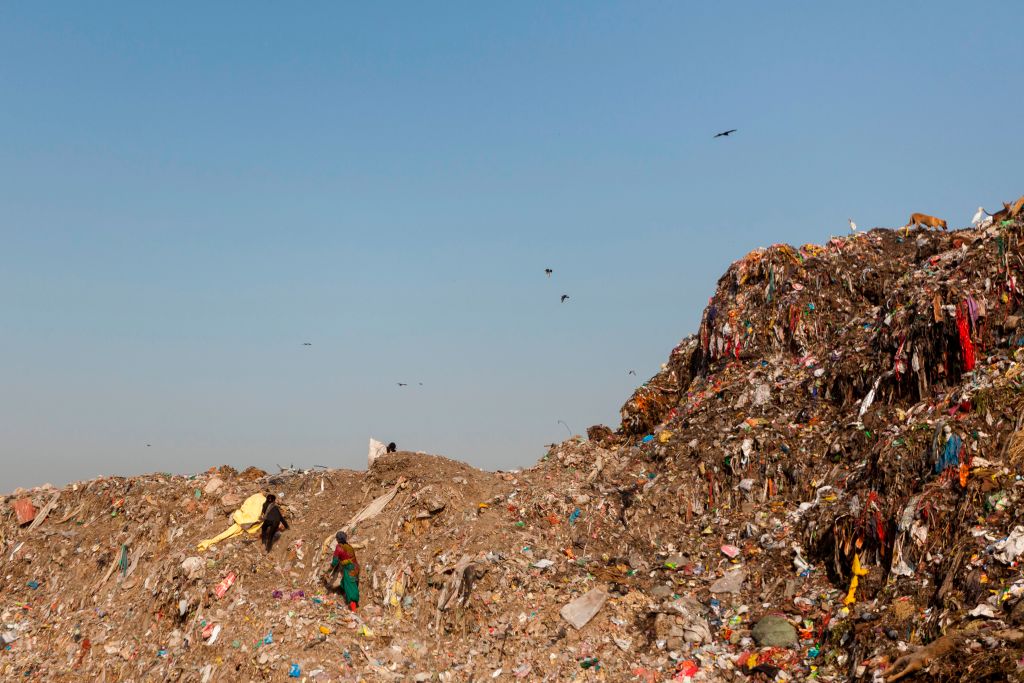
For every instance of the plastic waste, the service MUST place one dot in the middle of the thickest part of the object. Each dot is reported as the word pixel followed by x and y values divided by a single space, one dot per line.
pixel 580 611
pixel 224 585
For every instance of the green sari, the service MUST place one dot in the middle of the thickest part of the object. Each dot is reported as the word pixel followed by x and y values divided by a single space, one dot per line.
pixel 349 583
pixel 345 556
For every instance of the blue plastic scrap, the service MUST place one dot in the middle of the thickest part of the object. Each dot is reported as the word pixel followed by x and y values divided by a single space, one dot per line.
pixel 950 454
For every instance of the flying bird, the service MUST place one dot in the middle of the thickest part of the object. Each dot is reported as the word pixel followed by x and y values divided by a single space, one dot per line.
pixel 853 226
pixel 548 271
pixel 307 343
pixel 148 445
pixel 632 372
pixel 726 133
pixel 402 384
pixel 564 298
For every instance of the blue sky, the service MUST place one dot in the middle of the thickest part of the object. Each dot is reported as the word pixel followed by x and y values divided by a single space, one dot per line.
pixel 189 193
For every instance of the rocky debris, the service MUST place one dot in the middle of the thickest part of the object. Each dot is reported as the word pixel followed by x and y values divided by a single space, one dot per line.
pixel 772 631
pixel 824 482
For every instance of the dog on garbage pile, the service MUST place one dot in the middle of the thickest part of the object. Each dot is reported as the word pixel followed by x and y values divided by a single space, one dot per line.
pixel 926 220
pixel 1001 215
pixel 1015 208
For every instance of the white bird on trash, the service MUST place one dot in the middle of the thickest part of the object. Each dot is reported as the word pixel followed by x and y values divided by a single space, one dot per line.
pixel 853 226
pixel 982 219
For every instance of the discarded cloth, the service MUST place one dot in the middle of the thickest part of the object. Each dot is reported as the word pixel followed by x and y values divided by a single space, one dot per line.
pixel 245 518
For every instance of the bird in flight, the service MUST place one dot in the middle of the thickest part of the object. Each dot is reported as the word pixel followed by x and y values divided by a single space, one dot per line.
pixel 632 372
pixel 853 226
pixel 148 445
pixel 725 133
pixel 564 298
pixel 402 384
pixel 307 343
pixel 548 271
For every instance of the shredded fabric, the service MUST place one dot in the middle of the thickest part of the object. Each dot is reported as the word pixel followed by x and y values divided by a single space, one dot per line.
pixel 966 346
pixel 950 454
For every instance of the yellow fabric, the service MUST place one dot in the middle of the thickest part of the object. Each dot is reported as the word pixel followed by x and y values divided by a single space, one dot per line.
pixel 857 571
pixel 246 516
pixel 250 511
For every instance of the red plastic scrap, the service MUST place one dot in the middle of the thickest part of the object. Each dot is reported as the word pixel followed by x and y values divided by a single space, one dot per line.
pixel 86 646
pixel 685 670
pixel 223 586
pixel 24 510
pixel 966 346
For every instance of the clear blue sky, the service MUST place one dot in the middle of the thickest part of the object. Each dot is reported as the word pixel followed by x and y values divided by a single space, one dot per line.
pixel 190 192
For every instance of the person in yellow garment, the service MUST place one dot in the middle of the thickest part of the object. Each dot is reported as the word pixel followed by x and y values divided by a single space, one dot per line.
pixel 344 559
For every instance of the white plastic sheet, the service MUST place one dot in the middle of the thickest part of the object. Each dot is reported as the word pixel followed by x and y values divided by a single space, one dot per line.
pixel 377 449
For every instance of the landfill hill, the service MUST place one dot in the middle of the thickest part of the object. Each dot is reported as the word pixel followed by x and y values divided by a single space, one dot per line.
pixel 823 483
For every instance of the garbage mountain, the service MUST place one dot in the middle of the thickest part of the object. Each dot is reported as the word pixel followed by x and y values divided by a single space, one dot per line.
pixel 822 483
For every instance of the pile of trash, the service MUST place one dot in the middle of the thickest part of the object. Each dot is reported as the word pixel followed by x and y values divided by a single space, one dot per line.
pixel 822 483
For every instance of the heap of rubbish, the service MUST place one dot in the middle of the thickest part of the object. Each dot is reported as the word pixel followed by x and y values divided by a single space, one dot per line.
pixel 823 483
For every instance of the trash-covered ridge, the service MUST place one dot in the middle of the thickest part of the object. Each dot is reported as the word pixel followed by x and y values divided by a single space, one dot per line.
pixel 821 483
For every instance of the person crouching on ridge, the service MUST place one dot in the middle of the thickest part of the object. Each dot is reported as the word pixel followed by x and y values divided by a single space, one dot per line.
pixel 345 559
pixel 273 521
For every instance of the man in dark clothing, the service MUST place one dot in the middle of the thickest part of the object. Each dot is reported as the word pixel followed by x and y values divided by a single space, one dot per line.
pixel 273 520
pixel 269 500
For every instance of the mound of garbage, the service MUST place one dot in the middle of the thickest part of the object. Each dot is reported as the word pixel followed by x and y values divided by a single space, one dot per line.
pixel 822 483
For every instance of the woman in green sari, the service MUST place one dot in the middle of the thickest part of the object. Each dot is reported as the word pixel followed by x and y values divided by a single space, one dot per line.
pixel 345 559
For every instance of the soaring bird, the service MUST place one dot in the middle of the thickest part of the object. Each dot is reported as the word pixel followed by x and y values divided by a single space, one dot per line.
pixel 726 133
pixel 978 216
pixel 548 271
pixel 564 298
pixel 402 384
pixel 853 226
pixel 307 343
pixel 632 372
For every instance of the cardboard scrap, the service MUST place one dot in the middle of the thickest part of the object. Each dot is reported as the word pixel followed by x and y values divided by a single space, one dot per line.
pixel 24 510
